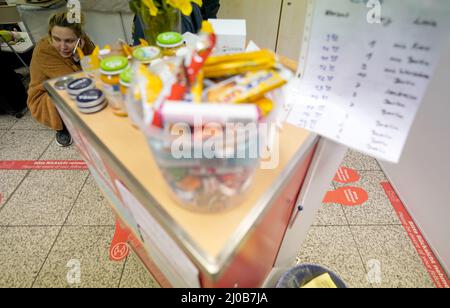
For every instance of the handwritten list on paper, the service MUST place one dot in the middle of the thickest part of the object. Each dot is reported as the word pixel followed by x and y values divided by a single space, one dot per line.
pixel 363 82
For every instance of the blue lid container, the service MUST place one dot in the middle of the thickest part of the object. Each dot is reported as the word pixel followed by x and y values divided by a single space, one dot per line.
pixel 91 101
pixel 80 85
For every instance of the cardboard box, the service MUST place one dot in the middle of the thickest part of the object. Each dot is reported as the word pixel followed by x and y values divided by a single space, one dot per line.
pixel 231 35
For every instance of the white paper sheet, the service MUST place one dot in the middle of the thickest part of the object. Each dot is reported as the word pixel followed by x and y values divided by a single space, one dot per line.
pixel 171 260
pixel 364 82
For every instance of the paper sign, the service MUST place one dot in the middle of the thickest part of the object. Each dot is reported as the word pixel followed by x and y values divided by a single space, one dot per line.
pixel 368 66
pixel 171 260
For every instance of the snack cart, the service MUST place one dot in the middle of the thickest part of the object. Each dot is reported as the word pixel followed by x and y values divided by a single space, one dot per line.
pixel 240 247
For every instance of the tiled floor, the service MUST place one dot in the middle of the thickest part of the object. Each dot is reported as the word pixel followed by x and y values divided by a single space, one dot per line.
pixel 53 222
pixel 360 241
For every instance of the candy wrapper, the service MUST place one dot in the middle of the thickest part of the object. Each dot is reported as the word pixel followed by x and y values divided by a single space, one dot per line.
pixel 244 88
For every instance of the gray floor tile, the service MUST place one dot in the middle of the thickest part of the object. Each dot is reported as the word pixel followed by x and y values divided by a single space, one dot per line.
pixel 358 161
pixel 29 123
pixel 333 247
pixel 400 265
pixel 24 144
pixel 22 253
pixel 7 121
pixel 136 275
pixel 55 152
pixel 46 197
pixel 10 179
pixel 86 249
pixel 91 208
pixel 378 209
pixel 43 198
pixel 330 214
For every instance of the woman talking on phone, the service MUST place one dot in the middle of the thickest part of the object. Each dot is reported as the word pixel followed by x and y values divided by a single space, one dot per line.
pixel 55 56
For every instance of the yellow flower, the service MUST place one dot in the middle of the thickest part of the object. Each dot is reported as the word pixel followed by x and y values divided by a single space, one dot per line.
pixel 151 6
pixel 184 6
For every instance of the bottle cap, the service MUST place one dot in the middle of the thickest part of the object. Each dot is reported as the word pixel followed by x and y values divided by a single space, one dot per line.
pixel 126 77
pixel 79 85
pixel 169 39
pixel 113 65
pixel 146 54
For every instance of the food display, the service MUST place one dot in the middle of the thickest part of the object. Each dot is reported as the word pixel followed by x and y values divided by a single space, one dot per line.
pixel 201 114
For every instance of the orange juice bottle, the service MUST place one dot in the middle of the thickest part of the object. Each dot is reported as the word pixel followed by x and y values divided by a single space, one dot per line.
pixel 110 69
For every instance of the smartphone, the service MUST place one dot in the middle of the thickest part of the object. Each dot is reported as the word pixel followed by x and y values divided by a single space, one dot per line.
pixel 76 46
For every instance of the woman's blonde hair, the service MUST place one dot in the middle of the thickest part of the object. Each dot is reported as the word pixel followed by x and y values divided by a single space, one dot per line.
pixel 60 20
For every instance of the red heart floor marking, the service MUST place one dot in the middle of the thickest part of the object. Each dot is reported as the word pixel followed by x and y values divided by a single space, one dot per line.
pixel 346 175
pixel 348 196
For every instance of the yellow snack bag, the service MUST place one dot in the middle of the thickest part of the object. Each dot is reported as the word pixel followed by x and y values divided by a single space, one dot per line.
pixel 220 66
pixel 143 42
pixel 265 105
pixel 245 88
pixel 322 282
pixel 150 89
pixel 197 89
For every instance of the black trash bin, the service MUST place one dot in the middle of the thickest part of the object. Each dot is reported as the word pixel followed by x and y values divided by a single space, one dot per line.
pixel 304 273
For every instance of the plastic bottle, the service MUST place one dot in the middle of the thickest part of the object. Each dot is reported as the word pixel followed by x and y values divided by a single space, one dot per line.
pixel 110 69
pixel 170 42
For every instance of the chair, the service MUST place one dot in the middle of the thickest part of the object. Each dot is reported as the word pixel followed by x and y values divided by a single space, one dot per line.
pixel 10 15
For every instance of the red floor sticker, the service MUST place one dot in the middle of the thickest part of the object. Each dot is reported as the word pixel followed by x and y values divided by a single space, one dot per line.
pixel 348 196
pixel 119 248
pixel 346 175
pixel 43 165
pixel 431 263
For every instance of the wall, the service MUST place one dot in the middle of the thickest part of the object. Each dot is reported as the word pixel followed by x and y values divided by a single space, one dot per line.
pixel 262 18
pixel 106 20
pixel 274 24
pixel 106 28
pixel 291 28
pixel 422 178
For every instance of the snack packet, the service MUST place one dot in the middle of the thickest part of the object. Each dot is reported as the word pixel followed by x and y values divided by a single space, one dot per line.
pixel 228 65
pixel 245 88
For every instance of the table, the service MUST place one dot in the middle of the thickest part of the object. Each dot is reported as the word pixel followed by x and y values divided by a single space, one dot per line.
pixel 241 247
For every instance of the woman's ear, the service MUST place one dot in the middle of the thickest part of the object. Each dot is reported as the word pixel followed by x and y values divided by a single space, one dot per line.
pixel 82 43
